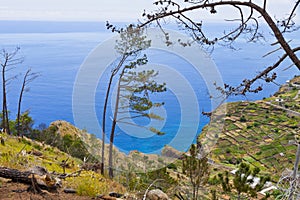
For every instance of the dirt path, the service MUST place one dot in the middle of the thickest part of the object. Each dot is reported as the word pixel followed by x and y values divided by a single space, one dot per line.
pixel 283 108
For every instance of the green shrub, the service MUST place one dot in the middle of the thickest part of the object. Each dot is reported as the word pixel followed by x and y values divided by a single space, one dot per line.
pixel 172 166
pixel 243 118
pixel 213 181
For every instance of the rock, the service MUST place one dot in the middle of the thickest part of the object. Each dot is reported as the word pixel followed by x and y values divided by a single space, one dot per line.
pixel 69 190
pixel 106 197
pixel 5 180
pixel 128 196
pixel 35 153
pixel 38 170
pixel 115 194
pixel 170 152
pixel 157 194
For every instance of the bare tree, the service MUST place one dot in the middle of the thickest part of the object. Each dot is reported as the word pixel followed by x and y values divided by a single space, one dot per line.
pixel 28 78
pixel 252 16
pixel 8 61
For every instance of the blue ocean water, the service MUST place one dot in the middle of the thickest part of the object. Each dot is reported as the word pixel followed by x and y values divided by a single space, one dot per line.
pixel 57 50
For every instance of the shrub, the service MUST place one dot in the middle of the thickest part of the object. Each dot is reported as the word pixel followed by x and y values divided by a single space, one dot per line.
pixel 214 181
pixel 172 166
pixel 88 184
pixel 243 118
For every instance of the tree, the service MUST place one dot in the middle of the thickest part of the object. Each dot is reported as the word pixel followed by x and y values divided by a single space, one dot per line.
pixel 24 123
pixel 131 42
pixel 8 61
pixel 195 166
pixel 251 16
pixel 28 77
pixel 133 94
pixel 242 181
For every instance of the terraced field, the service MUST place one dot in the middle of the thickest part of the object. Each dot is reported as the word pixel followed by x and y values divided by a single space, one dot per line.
pixel 261 133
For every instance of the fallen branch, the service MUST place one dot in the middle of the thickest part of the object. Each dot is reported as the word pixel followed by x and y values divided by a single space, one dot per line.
pixel 43 180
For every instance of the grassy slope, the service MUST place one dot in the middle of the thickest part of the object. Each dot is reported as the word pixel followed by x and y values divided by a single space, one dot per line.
pixel 259 133
pixel 22 154
pixel 18 153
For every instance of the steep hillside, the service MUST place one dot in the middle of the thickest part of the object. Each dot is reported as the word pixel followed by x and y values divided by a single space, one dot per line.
pixel 261 133
pixel 134 162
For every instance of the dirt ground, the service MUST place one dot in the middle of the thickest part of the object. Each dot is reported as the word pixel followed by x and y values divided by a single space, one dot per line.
pixel 16 191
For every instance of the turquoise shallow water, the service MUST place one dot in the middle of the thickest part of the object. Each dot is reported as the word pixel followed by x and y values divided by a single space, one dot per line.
pixel 57 51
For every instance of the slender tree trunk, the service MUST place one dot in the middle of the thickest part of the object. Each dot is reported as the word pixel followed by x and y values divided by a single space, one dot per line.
pixel 295 173
pixel 19 111
pixel 114 123
pixel 115 71
pixel 3 97
pixel 194 192
pixel 5 119
pixel 20 101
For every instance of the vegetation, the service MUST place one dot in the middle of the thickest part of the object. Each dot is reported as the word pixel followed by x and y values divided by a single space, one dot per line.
pixel 258 144
pixel 134 89
pixel 263 139
pixel 8 61
pixel 257 137
pixel 71 144
pixel 251 17
pixel 131 43
pixel 243 182
pixel 28 78
pixel 196 168
pixel 23 153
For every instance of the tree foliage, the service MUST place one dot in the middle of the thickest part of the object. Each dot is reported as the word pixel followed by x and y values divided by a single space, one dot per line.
pixel 243 181
pixel 132 41
pixel 252 16
pixel 133 95
pixel 71 144
pixel 196 167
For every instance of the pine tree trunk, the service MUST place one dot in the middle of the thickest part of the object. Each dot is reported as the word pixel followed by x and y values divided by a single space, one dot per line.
pixel 114 123
pixel 105 108
pixel 103 124
pixel 5 120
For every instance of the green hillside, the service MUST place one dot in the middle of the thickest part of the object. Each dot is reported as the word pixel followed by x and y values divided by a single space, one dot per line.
pixel 261 133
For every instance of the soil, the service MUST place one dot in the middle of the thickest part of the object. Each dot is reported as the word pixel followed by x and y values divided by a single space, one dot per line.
pixel 16 191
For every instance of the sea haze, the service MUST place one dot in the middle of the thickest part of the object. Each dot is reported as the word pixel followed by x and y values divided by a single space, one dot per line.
pixel 57 49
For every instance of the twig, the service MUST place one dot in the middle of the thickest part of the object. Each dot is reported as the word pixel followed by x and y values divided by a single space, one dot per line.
pixel 21 150
pixel 146 192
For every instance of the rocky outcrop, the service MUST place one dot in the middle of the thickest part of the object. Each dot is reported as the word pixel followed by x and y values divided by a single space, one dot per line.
pixel 170 152
pixel 157 194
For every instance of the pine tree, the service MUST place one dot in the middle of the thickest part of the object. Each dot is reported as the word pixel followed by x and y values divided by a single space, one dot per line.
pixel 195 166
pixel 242 181
pixel 134 94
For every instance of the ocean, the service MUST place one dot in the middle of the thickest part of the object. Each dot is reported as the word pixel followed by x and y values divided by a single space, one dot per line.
pixel 57 51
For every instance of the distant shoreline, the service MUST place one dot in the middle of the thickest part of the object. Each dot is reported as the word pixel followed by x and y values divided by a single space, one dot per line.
pixel 12 26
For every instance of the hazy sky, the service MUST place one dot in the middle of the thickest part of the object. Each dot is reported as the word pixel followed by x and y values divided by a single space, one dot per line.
pixel 96 10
